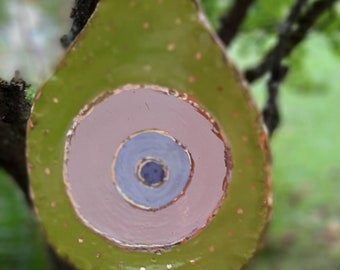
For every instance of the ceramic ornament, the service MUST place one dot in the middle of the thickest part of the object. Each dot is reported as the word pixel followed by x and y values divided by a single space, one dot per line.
pixel 145 150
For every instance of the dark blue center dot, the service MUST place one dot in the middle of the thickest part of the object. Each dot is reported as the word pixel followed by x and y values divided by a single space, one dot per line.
pixel 152 173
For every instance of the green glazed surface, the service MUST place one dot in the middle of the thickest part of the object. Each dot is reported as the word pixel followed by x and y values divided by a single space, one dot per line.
pixel 166 43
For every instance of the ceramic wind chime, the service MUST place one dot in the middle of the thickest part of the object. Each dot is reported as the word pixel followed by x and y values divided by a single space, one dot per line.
pixel 145 150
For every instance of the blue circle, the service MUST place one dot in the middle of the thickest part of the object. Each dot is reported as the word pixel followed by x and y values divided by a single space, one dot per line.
pixel 152 173
pixel 162 153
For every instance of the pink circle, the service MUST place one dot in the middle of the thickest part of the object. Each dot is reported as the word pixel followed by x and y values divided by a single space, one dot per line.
pixel 93 141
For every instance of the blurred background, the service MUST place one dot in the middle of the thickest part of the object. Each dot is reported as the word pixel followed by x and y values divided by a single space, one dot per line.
pixel 305 229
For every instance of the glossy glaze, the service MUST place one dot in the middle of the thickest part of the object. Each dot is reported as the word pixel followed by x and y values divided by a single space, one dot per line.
pixel 158 42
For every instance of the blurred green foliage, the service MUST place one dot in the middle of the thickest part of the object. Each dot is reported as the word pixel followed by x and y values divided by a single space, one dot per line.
pixel 305 229
pixel 30 94
pixel 3 14
pixel 214 9
pixel 259 33
pixel 21 245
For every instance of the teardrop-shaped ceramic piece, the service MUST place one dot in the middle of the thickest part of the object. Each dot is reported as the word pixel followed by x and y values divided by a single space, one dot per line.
pixel 145 150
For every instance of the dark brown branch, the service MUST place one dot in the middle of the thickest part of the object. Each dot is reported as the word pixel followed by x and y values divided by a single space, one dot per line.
pixel 271 113
pixel 288 40
pixel 232 22
pixel 14 112
pixel 80 14
pixel 287 26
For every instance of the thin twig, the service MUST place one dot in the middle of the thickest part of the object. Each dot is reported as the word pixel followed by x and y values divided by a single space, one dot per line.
pixel 287 26
pixel 271 112
pixel 232 22
pixel 288 40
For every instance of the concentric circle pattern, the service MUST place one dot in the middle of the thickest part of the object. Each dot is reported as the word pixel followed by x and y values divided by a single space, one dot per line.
pixel 140 159
pixel 162 166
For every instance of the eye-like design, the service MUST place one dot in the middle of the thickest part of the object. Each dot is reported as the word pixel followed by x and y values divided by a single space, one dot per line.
pixel 167 161
pixel 145 150
pixel 151 170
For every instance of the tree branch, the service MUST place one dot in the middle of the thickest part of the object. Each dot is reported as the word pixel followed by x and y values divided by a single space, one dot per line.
pixel 14 113
pixel 80 14
pixel 295 12
pixel 232 22
pixel 271 113
pixel 290 37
